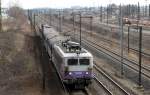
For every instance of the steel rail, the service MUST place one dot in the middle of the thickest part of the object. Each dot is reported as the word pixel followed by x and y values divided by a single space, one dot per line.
pixel 134 49
pixel 115 58
pixel 110 79
pixel 117 54
pixel 103 86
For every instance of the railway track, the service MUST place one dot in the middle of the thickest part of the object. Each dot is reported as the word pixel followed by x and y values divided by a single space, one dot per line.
pixel 125 46
pixel 103 86
pixel 134 65
pixel 84 91
pixel 115 57
pixel 109 85
pixel 109 89
pixel 126 58
pixel 85 25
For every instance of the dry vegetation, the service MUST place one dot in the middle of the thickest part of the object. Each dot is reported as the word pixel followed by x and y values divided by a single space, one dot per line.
pixel 19 72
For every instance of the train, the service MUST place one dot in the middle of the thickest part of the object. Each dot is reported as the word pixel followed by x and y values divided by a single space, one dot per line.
pixel 73 63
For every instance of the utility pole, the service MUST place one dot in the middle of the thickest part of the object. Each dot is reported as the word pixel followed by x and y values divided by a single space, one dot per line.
pixel 122 34
pixel 91 25
pixel 101 14
pixel 119 16
pixel 60 19
pixel 34 20
pixel 146 11
pixel 107 13
pixel 60 22
pixel 140 56
pixel 29 15
pixel 128 38
pixel 50 18
pixel 138 16
pixel 73 19
pixel 0 17
pixel 149 11
pixel 129 11
pixel 111 10
pixel 31 21
pixel 140 46
pixel 80 24
pixel 80 29
pixel 104 12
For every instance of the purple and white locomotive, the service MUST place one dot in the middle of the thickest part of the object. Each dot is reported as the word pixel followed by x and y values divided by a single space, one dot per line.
pixel 73 63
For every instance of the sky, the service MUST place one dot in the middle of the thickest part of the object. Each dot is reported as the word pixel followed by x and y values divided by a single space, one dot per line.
pixel 27 4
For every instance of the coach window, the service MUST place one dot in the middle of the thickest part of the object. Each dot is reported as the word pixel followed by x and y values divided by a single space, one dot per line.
pixel 84 61
pixel 72 61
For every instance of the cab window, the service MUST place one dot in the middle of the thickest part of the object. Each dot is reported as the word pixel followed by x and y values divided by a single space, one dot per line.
pixel 84 61
pixel 72 61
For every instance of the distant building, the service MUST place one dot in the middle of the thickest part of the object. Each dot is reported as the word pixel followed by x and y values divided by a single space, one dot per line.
pixel 4 13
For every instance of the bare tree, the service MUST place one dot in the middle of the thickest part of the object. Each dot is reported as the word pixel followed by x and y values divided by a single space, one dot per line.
pixel 16 12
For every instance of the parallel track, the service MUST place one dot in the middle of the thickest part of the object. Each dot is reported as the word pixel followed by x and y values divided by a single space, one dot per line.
pixel 115 56
pixel 103 50
pixel 112 87
pixel 103 86
pixel 125 93
pixel 133 49
pixel 118 55
pixel 85 25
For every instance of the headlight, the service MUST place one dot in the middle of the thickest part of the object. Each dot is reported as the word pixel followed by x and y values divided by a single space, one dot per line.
pixel 70 73
pixel 87 73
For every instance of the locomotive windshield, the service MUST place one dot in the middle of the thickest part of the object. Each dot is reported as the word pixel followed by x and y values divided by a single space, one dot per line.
pixel 81 61
pixel 72 61
pixel 84 61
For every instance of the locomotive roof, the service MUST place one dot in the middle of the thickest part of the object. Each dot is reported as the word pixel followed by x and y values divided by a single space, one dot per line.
pixel 83 53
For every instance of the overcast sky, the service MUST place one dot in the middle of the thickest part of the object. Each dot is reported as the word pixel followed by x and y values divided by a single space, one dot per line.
pixel 68 3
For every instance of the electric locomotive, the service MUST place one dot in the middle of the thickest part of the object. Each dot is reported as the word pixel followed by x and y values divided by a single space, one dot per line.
pixel 73 63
